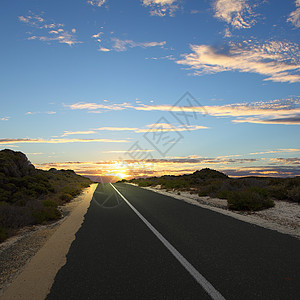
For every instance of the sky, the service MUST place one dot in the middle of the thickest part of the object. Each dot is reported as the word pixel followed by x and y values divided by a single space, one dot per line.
pixel 132 88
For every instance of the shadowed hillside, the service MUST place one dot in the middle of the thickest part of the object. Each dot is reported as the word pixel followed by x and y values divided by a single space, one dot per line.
pixel 31 196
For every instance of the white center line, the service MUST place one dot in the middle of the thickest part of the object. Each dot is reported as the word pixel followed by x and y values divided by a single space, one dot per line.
pixel 207 286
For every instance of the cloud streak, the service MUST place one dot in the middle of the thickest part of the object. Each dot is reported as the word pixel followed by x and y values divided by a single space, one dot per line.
pixel 277 61
pixel 67 133
pixel 122 45
pixel 95 106
pixel 284 111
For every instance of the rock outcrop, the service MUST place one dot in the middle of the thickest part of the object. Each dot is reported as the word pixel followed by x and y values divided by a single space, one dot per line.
pixel 15 164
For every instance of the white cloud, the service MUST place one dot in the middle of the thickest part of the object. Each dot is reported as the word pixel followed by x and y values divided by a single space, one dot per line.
pixel 279 61
pixel 97 35
pixel 44 34
pixel 238 13
pixel 165 127
pixel 284 112
pixel 40 112
pixel 279 111
pixel 156 127
pixel 4 118
pixel 66 133
pixel 294 16
pixel 95 106
pixel 161 7
pixel 103 49
pixel 121 45
pixel 96 2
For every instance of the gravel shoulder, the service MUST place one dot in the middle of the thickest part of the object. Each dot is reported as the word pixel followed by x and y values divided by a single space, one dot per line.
pixel 30 256
pixel 284 217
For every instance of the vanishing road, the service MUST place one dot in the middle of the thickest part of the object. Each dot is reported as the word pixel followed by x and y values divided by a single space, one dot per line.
pixel 137 244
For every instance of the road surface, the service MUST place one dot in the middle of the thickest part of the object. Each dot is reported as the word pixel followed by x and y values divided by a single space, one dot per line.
pixel 137 244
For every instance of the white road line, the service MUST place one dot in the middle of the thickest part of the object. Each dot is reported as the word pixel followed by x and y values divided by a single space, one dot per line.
pixel 197 276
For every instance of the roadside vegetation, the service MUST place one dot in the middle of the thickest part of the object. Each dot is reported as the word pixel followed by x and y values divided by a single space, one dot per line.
pixel 29 196
pixel 245 194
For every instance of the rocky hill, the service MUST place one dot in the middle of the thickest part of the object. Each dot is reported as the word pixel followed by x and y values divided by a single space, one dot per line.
pixel 15 164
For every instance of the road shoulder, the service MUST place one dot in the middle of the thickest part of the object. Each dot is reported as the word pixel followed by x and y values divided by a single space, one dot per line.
pixel 43 267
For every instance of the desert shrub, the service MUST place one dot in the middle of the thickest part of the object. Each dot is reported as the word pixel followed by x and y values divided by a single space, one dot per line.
pixel 65 197
pixel 2 234
pixel 15 216
pixel 278 192
pixel 211 189
pixel 225 194
pixel 145 183
pixel 46 214
pixel 73 191
pixel 49 203
pixel 253 199
pixel 5 195
pixel 294 194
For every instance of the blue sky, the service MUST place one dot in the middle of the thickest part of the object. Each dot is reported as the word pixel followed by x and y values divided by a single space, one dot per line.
pixel 82 82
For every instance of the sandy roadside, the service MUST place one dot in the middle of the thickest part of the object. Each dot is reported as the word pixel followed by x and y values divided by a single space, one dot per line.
pixel 43 267
pixel 284 217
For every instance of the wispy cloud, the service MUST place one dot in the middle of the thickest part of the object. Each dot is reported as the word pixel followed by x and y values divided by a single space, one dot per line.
pixel 279 121
pixel 279 111
pixel 287 161
pixel 237 13
pixel 35 153
pixel 272 171
pixel 4 118
pixel 98 39
pixel 122 45
pixel 117 44
pixel 96 2
pixel 41 112
pixel 95 106
pixel 67 133
pixel 276 151
pixel 48 31
pixel 57 141
pixel 161 8
pixel 294 16
pixel 278 61
pixel 165 127
pixel 156 127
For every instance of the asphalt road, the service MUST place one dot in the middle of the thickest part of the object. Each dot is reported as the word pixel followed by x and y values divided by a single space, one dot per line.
pixel 116 256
